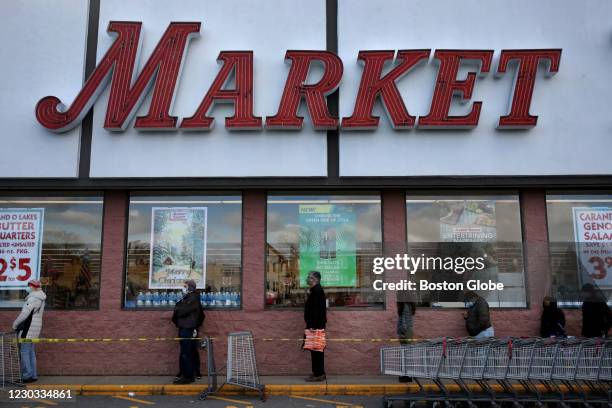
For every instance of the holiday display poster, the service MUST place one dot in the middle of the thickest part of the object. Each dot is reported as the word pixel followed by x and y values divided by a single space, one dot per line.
pixel 178 246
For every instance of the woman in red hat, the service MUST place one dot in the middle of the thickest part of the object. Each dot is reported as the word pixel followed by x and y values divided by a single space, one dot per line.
pixel 28 325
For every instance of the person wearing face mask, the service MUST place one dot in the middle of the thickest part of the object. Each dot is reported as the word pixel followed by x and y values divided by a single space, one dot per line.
pixel 315 316
pixel 188 316
pixel 477 319
pixel 28 326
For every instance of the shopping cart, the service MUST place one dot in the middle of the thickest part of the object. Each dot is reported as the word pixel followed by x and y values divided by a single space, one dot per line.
pixel 241 368
pixel 9 360
pixel 518 371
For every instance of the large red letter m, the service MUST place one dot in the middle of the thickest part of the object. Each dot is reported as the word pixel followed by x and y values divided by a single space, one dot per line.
pixel 126 94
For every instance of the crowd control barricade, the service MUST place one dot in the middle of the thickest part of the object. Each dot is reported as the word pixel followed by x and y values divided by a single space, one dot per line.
pixel 515 371
pixel 9 360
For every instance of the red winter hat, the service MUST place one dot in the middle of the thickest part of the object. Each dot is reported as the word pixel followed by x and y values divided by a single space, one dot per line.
pixel 34 283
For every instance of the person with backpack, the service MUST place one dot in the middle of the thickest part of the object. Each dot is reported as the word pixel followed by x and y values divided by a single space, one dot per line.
pixel 28 326
pixel 188 316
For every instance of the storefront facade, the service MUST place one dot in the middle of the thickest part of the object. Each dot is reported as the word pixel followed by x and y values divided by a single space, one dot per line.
pixel 342 142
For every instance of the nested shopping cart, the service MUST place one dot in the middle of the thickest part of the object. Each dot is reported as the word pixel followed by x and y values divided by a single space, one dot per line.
pixel 518 371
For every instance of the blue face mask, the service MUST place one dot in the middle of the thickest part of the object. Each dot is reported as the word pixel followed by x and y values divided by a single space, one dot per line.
pixel 29 289
pixel 469 304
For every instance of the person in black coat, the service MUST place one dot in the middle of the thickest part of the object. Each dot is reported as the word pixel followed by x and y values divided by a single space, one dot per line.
pixel 553 319
pixel 596 315
pixel 315 316
pixel 188 316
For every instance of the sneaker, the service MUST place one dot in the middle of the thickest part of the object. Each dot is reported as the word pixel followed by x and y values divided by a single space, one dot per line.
pixel 405 379
pixel 184 380
pixel 316 378
pixel 29 380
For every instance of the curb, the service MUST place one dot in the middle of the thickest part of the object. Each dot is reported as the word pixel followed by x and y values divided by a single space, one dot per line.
pixel 270 389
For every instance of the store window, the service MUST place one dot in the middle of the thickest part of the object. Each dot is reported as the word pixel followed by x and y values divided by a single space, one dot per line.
pixel 337 235
pixel 580 241
pixel 56 239
pixel 449 230
pixel 172 238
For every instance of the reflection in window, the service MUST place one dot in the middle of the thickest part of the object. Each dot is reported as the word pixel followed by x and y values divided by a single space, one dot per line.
pixel 337 235
pixel 580 240
pixel 174 238
pixel 474 226
pixel 70 256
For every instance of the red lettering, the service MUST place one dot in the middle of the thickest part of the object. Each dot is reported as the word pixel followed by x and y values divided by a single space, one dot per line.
pixel 519 117
pixel 373 85
pixel 240 63
pixel 447 86
pixel 164 64
pixel 296 89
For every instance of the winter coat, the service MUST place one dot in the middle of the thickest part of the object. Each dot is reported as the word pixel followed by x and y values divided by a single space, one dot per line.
pixel 596 317
pixel 315 311
pixel 478 318
pixel 553 321
pixel 188 312
pixel 35 306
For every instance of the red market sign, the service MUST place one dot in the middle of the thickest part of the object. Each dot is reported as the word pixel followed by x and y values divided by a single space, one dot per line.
pixel 161 72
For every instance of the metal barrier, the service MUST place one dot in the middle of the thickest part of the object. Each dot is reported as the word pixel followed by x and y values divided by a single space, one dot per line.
pixel 498 371
pixel 9 360
pixel 241 365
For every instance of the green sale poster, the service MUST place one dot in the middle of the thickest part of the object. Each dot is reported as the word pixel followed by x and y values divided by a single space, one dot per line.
pixel 328 244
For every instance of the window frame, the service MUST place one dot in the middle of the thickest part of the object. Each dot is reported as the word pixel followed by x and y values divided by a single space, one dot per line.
pixel 321 192
pixel 67 194
pixel 181 193
pixel 480 192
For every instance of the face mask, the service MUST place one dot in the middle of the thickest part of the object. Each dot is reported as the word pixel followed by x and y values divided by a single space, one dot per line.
pixel 29 289
pixel 184 290
pixel 469 304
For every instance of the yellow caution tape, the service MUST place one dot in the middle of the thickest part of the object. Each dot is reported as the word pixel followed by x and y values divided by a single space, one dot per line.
pixel 127 339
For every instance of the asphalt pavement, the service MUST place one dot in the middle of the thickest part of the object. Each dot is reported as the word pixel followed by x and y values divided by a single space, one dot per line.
pixel 149 401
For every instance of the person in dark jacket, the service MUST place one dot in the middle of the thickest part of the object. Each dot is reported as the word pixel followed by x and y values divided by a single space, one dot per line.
pixel 477 319
pixel 315 316
pixel 596 315
pixel 553 319
pixel 188 316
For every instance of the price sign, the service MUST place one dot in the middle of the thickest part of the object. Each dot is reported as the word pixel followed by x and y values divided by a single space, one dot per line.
pixel 20 246
pixel 593 232
pixel 601 266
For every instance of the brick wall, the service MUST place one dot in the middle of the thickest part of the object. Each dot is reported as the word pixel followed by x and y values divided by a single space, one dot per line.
pixel 160 358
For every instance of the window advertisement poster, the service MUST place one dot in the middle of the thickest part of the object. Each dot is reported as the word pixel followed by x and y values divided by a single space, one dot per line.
pixel 593 232
pixel 328 244
pixel 467 221
pixel 21 231
pixel 178 247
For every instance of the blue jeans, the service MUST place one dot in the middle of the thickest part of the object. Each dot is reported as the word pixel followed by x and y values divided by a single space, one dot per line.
pixel 28 361
pixel 486 333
